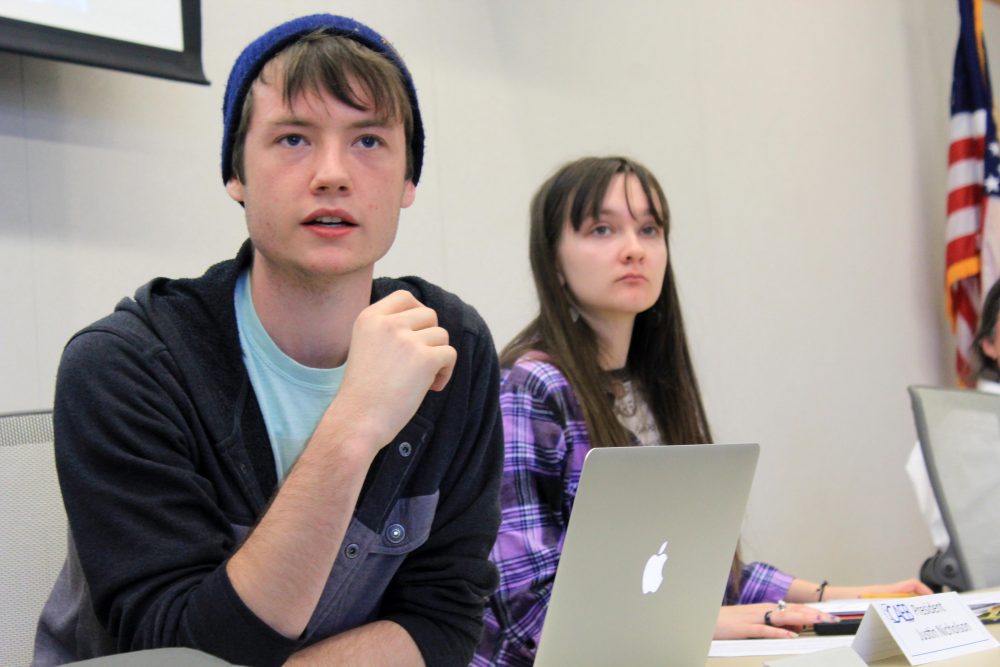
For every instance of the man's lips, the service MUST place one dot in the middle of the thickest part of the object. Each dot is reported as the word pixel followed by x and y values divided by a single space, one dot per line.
pixel 331 219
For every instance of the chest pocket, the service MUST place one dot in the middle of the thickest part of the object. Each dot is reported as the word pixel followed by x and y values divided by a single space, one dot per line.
pixel 367 562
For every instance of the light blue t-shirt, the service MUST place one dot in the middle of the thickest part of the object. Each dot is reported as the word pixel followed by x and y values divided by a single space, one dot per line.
pixel 292 397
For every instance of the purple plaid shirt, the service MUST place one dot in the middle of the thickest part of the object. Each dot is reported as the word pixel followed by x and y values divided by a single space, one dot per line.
pixel 546 441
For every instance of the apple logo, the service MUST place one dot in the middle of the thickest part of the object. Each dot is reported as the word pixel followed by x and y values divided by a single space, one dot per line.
pixel 652 576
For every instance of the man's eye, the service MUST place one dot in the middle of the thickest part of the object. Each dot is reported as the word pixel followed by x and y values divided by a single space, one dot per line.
pixel 369 141
pixel 292 140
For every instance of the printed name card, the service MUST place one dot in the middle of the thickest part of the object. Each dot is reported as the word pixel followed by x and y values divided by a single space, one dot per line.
pixel 924 629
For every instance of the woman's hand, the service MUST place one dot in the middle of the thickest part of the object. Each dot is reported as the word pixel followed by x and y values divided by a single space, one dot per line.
pixel 746 621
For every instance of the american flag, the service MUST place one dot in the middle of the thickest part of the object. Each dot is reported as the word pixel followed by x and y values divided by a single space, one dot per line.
pixel 972 259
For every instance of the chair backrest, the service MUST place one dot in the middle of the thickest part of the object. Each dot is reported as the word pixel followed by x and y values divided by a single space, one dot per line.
pixel 32 529
pixel 959 433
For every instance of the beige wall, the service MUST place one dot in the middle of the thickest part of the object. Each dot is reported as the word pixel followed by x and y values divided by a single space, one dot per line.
pixel 802 146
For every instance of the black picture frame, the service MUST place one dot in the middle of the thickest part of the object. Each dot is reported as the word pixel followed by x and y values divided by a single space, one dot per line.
pixel 43 41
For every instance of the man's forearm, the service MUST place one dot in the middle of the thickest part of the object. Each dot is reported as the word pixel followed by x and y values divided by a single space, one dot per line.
pixel 281 569
pixel 373 645
pixel 397 353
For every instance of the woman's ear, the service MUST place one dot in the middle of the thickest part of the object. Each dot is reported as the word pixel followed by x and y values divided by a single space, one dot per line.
pixel 989 349
pixel 557 265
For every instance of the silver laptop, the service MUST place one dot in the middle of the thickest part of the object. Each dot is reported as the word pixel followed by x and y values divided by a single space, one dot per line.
pixel 647 555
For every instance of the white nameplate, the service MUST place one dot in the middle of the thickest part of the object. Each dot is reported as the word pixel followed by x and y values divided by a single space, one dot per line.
pixel 924 629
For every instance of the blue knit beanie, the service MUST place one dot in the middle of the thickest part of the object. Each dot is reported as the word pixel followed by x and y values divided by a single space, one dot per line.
pixel 261 50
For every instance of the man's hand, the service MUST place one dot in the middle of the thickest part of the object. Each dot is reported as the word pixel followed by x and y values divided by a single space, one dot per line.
pixel 398 352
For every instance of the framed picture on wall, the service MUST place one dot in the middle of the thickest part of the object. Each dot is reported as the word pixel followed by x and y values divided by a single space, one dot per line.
pixel 155 37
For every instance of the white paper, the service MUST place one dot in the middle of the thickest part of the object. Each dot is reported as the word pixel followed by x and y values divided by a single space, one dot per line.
pixel 980 599
pixel 750 647
pixel 842 656
pixel 974 600
pixel 732 648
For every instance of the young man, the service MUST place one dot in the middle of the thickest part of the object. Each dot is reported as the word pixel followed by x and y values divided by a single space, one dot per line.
pixel 285 459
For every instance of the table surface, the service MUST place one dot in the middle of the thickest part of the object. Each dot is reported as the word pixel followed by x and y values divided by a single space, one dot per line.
pixel 988 658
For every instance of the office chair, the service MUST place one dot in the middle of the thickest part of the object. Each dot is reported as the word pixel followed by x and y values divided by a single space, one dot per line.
pixel 959 433
pixel 32 530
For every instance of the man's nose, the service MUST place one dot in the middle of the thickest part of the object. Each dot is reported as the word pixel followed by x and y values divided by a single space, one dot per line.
pixel 331 171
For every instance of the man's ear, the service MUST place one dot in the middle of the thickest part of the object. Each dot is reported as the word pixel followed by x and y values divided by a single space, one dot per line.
pixel 409 194
pixel 234 187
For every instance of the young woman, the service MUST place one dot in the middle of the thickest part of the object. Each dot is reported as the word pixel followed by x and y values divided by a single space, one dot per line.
pixel 605 363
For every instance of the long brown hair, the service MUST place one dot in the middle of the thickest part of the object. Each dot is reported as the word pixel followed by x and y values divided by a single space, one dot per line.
pixel 659 362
